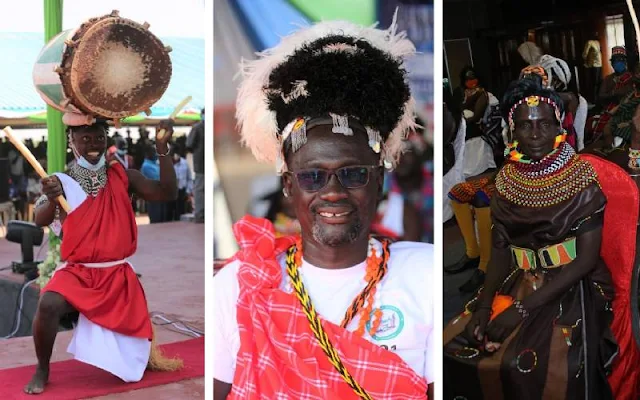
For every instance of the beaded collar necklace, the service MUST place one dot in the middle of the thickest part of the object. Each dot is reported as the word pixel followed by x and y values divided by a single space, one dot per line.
pixel 554 179
pixel 91 182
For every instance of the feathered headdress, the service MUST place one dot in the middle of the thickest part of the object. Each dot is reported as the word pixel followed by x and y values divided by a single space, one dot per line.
pixel 558 68
pixel 337 73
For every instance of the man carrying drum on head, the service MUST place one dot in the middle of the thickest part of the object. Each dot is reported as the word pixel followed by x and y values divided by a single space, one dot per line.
pixel 333 313
pixel 114 331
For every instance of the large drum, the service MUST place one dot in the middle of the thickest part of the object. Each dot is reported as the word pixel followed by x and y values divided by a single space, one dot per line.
pixel 110 67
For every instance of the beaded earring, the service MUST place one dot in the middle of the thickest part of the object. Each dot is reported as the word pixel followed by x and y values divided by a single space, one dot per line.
pixel 514 154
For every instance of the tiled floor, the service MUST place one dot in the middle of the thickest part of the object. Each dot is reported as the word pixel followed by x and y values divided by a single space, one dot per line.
pixel 170 258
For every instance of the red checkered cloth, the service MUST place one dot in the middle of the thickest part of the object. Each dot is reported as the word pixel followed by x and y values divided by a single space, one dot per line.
pixel 279 356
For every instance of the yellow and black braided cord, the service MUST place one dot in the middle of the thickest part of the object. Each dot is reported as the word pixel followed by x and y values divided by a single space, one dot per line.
pixel 316 325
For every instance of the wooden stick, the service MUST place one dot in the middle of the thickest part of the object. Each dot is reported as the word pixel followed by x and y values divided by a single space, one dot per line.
pixel 174 114
pixel 634 18
pixel 34 163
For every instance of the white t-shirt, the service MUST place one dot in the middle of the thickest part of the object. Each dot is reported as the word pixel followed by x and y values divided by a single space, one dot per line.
pixel 407 328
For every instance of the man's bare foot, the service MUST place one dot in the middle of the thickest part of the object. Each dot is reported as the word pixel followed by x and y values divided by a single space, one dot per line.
pixel 39 379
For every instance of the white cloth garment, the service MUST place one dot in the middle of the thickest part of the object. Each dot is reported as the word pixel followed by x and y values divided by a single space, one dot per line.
pixel 580 121
pixel 123 356
pixel 455 174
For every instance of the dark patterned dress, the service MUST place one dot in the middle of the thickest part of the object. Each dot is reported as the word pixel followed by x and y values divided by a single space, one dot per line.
pixel 538 210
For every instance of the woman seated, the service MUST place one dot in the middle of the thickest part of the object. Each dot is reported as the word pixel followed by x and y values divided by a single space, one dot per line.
pixel 553 318
pixel 474 99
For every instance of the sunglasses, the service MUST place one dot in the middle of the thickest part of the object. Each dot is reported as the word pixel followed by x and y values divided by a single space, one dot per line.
pixel 352 177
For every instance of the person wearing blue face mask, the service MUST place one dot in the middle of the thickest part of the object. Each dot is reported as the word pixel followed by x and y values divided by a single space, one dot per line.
pixel 96 280
pixel 614 88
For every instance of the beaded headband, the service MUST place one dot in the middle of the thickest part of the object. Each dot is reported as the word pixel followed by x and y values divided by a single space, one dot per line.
pixel 618 51
pixel 297 130
pixel 533 102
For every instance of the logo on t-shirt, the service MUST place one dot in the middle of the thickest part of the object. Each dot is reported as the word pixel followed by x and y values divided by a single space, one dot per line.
pixel 391 324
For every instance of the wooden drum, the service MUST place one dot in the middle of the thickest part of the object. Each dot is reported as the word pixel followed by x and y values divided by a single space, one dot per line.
pixel 110 67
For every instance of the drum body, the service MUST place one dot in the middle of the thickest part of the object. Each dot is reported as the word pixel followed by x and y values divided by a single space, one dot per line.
pixel 47 81
pixel 110 67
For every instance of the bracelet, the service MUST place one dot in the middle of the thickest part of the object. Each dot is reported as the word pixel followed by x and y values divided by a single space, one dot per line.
pixel 165 154
pixel 521 310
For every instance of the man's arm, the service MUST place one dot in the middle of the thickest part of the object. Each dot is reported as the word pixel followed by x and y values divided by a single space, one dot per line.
pixel 189 188
pixel 225 331
pixel 221 390
pixel 166 189
pixel 192 138
pixel 45 209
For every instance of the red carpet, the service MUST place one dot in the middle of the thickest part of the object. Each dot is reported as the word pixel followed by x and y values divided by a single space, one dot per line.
pixel 71 380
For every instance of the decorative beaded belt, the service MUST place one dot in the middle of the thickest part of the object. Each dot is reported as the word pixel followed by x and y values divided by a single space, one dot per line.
pixel 552 256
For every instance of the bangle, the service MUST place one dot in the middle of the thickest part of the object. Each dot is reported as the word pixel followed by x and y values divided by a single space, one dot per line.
pixel 521 310
pixel 165 154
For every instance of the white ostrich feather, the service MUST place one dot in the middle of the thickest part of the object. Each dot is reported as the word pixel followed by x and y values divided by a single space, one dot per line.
pixel 556 67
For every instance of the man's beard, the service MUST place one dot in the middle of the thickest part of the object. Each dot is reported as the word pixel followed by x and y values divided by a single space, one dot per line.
pixel 346 236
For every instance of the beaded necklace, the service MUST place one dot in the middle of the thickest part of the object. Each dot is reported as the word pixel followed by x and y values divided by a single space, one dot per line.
pixel 554 179
pixel 293 260
pixel 90 181
pixel 363 303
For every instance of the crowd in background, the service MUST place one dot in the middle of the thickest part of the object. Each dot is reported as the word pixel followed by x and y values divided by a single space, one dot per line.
pixel 140 154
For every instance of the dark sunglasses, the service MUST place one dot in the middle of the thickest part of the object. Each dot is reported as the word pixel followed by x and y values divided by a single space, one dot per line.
pixel 352 177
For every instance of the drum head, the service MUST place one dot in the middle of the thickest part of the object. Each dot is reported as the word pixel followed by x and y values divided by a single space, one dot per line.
pixel 118 69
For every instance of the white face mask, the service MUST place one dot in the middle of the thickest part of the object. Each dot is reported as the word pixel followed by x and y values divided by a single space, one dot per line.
pixel 82 162
pixel 91 167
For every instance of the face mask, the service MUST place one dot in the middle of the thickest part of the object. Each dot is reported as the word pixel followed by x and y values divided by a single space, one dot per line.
pixel 91 167
pixel 121 153
pixel 82 162
pixel 471 83
pixel 619 66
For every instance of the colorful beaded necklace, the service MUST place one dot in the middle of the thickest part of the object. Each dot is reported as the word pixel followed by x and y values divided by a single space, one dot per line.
pixel 362 305
pixel 556 178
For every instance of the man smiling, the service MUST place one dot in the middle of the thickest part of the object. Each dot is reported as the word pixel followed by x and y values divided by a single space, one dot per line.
pixel 334 313
pixel 95 278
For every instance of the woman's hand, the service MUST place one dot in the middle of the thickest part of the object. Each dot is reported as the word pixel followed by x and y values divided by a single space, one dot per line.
pixel 502 326
pixel 475 329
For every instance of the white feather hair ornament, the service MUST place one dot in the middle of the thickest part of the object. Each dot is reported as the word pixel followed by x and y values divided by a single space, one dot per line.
pixel 258 124
pixel 556 67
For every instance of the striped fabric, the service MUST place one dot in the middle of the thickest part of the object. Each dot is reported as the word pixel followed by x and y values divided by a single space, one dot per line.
pixel 279 356
pixel 525 258
pixel 552 256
